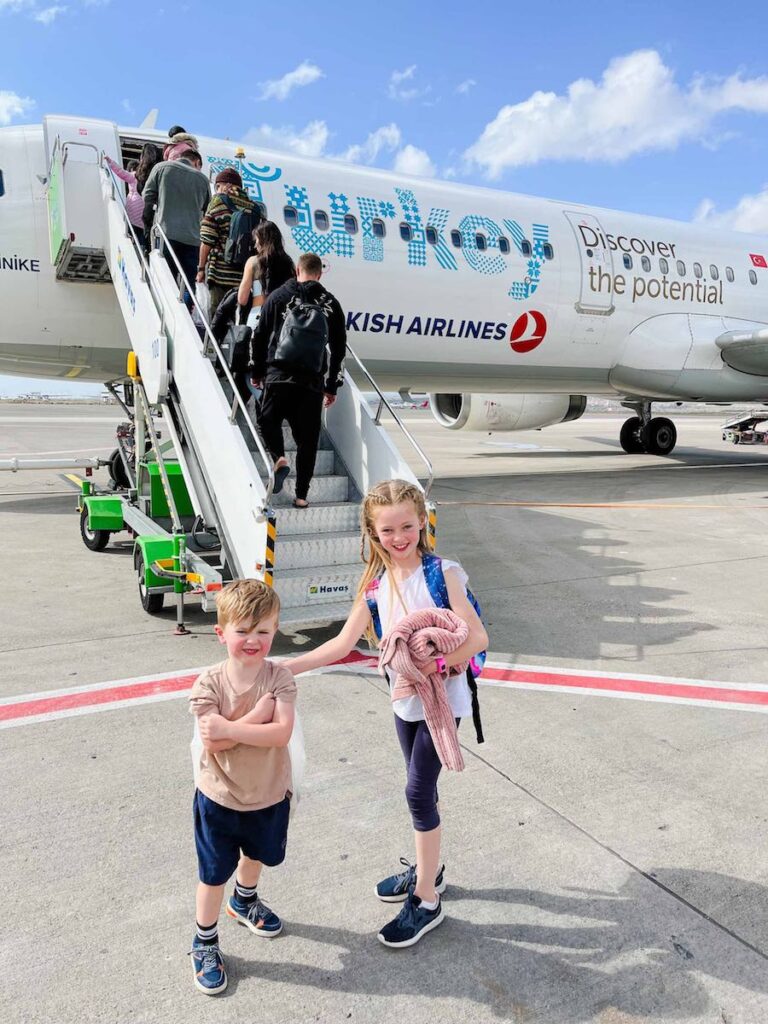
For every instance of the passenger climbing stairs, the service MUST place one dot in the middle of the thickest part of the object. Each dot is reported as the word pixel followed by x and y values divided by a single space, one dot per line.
pixel 200 501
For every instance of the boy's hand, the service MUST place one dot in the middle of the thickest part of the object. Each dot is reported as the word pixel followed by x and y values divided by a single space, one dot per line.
pixel 263 709
pixel 212 728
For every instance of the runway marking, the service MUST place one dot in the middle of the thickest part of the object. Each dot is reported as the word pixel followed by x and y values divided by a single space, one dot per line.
pixel 601 504
pixel 28 709
pixel 73 478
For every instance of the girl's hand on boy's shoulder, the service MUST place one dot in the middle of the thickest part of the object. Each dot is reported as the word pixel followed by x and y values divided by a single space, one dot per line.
pixel 213 727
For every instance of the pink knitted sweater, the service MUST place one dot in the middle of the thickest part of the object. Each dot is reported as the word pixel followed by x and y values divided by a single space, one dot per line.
pixel 415 640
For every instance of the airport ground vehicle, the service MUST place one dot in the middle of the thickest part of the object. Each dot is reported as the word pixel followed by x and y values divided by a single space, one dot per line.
pixel 748 428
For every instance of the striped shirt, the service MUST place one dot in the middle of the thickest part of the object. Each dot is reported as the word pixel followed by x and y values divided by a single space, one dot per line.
pixel 214 231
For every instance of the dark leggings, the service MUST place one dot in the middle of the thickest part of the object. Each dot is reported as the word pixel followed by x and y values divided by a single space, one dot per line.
pixel 423 767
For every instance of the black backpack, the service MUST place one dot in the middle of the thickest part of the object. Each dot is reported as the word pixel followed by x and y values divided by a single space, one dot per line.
pixel 239 244
pixel 304 336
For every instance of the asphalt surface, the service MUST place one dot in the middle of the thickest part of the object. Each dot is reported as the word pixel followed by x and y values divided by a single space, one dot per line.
pixel 604 856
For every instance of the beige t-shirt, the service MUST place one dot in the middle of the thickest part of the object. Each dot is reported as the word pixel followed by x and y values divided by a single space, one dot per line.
pixel 244 778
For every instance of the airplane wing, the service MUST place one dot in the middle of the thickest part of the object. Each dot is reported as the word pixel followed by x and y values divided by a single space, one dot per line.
pixel 746 350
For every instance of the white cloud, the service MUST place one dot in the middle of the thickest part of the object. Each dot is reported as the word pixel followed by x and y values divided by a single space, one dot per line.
pixel 749 214
pixel 13 105
pixel 49 14
pixel 280 88
pixel 635 107
pixel 310 141
pixel 401 85
pixel 412 160
pixel 16 5
pixel 466 85
pixel 387 138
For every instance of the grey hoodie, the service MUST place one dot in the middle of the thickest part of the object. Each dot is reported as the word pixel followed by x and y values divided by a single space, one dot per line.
pixel 181 195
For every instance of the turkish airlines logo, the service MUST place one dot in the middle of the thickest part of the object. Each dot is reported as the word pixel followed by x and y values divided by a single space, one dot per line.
pixel 527 331
pixel 757 260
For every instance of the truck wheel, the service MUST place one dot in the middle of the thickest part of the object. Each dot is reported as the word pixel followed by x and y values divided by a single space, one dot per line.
pixel 151 602
pixel 94 540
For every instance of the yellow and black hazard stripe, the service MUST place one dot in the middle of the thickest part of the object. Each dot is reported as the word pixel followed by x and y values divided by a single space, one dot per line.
pixel 432 526
pixel 269 561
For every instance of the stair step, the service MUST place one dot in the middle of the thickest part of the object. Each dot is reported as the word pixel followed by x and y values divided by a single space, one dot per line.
pixel 309 549
pixel 303 616
pixel 325 463
pixel 323 488
pixel 318 518
pixel 311 588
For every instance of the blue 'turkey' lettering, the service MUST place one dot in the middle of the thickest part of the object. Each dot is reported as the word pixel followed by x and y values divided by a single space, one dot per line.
pixel 525 288
pixel 337 239
pixel 483 261
pixel 370 210
pixel 251 173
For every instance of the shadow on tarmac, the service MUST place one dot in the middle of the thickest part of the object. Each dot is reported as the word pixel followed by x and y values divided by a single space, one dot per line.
pixel 618 960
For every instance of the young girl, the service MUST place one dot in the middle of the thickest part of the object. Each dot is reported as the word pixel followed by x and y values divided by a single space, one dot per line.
pixel 393 521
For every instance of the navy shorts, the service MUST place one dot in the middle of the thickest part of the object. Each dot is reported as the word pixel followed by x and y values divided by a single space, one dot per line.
pixel 221 833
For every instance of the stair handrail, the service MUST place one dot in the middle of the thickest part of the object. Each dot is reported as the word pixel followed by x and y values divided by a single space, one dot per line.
pixel 117 190
pixel 383 403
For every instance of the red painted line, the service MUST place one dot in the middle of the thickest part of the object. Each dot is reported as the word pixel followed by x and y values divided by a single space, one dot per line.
pixel 67 701
pixel 639 686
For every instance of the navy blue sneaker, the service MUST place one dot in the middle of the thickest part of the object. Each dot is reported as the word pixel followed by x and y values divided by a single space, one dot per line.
pixel 395 888
pixel 208 967
pixel 411 924
pixel 255 915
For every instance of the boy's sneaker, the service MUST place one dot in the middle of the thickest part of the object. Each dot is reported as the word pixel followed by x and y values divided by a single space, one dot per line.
pixel 255 915
pixel 395 888
pixel 411 924
pixel 208 967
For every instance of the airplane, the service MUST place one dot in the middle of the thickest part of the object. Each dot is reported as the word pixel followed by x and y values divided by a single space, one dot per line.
pixel 506 310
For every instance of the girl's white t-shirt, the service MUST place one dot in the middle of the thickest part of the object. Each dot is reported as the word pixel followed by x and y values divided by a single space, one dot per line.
pixel 415 596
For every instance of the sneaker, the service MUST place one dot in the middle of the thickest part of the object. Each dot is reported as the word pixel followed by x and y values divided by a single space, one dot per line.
pixel 208 967
pixel 395 888
pixel 411 924
pixel 255 915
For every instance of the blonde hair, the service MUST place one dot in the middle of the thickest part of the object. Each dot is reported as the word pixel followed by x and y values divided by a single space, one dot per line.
pixel 246 601
pixel 385 495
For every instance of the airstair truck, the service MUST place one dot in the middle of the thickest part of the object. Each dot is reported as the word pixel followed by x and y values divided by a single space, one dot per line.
pixel 199 500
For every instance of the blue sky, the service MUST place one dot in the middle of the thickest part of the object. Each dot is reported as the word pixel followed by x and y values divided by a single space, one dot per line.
pixel 652 107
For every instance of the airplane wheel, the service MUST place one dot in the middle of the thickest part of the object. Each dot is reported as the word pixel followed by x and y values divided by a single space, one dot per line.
pixel 94 540
pixel 151 602
pixel 660 436
pixel 630 436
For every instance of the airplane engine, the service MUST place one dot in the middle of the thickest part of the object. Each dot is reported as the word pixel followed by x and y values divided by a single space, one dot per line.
pixel 505 412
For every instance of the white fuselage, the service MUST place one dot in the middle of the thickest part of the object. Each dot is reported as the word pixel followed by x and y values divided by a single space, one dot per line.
pixel 535 298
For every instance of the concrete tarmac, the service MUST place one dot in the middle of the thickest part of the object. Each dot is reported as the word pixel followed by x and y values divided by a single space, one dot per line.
pixel 604 856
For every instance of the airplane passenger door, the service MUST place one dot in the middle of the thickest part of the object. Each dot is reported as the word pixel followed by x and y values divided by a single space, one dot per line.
pixel 595 294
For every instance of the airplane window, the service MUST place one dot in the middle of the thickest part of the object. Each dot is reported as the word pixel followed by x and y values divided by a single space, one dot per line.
pixel 504 245
pixel 753 277
pixel 697 270
pixel 663 266
pixel 456 238
pixel 627 260
pixel 350 224
pixel 481 241
pixel 321 220
pixel 714 273
pixel 378 227
pixel 681 268
pixel 645 263
pixel 431 235
pixel 405 232
pixel 729 273
pixel 291 215
pixel 549 252
pixel 2 185
pixel 525 247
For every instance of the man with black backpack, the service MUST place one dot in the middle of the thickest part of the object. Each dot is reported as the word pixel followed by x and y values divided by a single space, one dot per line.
pixel 300 324
pixel 226 236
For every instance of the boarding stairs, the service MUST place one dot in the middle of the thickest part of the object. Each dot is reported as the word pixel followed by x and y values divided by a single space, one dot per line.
pixel 314 561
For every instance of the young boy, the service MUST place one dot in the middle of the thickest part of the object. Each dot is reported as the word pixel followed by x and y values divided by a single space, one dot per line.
pixel 245 708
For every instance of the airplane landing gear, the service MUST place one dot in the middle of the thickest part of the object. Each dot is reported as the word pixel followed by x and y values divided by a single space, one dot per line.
pixel 655 435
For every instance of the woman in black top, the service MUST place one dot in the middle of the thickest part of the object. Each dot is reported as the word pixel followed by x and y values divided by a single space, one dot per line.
pixel 270 267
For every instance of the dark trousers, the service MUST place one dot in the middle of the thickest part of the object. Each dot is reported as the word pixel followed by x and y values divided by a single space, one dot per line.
pixel 187 256
pixel 303 408
pixel 423 768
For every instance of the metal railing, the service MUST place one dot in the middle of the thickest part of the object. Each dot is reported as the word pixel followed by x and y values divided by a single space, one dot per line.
pixel 384 404
pixel 237 401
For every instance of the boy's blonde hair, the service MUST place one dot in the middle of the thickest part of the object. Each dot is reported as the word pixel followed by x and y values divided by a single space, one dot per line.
pixel 246 601
pixel 384 495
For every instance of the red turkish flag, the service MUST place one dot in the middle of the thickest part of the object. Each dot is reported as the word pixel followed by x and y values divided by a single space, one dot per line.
pixel 757 260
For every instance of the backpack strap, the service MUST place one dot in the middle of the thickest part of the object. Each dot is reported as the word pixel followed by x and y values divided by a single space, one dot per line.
pixel 371 599
pixel 434 577
pixel 227 202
